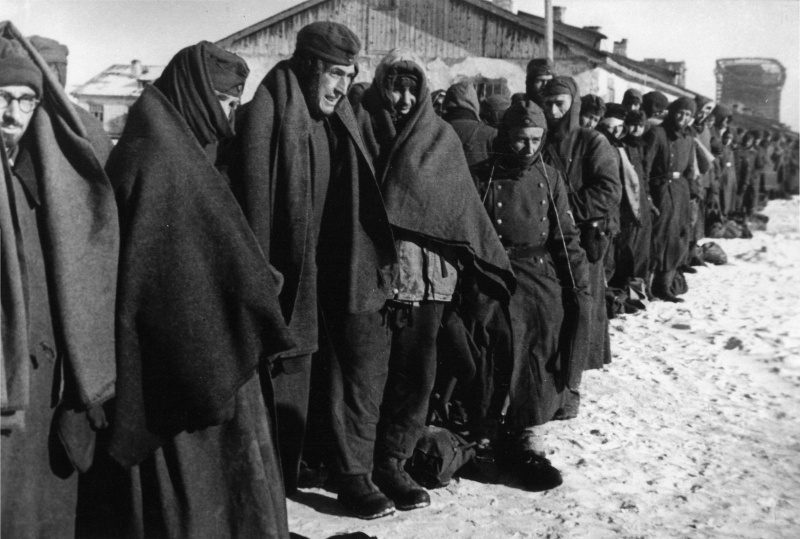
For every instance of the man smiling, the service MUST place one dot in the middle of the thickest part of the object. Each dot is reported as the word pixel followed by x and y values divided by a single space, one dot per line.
pixel 326 246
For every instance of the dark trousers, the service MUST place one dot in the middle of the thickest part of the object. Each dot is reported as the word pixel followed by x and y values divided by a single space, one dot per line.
pixel 412 373
pixel 358 352
pixel 291 380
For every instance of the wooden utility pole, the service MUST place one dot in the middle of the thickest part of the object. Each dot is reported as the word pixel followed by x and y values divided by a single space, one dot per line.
pixel 548 28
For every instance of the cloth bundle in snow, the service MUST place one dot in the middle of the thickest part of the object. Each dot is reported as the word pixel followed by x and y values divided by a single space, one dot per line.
pixel 714 254
pixel 439 454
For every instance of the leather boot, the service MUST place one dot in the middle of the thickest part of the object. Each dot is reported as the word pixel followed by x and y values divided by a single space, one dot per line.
pixel 662 281
pixel 394 481
pixel 360 495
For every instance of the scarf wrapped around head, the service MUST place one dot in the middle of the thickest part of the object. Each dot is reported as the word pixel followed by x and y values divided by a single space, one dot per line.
pixel 189 81
pixel 570 120
pixel 80 227
pixel 427 187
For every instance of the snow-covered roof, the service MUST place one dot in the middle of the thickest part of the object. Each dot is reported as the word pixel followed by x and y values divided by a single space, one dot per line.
pixel 120 80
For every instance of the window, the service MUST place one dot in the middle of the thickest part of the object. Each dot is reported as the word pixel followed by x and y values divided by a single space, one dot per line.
pixel 489 87
pixel 96 111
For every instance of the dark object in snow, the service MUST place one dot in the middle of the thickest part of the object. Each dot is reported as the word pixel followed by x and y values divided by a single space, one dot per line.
pixel 714 254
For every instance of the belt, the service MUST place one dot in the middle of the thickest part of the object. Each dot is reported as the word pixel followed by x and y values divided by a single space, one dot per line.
pixel 525 250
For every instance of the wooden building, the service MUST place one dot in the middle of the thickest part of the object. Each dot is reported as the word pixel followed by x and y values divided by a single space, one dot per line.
pixel 457 39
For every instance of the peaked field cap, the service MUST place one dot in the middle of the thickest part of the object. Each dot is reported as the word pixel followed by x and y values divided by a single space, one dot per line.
pixel 524 114
pixel 540 67
pixel 329 41
pixel 17 68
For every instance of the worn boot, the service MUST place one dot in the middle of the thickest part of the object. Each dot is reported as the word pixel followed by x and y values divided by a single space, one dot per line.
pixel 360 495
pixel 535 470
pixel 662 282
pixel 394 481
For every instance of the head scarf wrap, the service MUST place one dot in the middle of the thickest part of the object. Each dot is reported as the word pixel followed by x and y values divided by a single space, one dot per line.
pixel 462 95
pixel 570 120
pixel 188 84
pixel 521 114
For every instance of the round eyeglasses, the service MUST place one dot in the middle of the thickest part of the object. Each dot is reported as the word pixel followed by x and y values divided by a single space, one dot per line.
pixel 26 102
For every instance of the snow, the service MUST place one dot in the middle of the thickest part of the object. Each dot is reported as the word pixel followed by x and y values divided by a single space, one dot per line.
pixel 692 431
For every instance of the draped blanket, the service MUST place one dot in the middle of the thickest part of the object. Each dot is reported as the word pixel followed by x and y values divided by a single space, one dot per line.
pixel 81 231
pixel 427 187
pixel 197 307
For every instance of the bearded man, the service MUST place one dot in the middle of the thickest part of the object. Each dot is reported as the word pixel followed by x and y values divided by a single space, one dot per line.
pixel 60 243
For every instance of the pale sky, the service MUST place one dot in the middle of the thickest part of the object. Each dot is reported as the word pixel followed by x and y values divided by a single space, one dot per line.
pixel 104 32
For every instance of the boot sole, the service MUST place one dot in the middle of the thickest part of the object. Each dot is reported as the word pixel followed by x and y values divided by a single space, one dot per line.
pixel 384 513
pixel 410 507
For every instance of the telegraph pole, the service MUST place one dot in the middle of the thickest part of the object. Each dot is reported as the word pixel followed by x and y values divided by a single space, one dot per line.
pixel 548 31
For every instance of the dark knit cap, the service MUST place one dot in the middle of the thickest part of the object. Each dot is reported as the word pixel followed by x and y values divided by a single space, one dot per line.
pixel 654 103
pixel 682 103
pixel 631 96
pixel 700 101
pixel 592 104
pixel 523 114
pixel 329 41
pixel 635 117
pixel 17 68
pixel 226 71
pixel 721 112
pixel 540 67
pixel 557 86
pixel 615 110
pixel 51 50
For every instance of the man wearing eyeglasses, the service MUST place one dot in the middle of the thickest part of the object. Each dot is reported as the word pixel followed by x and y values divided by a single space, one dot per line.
pixel 17 101
pixel 58 223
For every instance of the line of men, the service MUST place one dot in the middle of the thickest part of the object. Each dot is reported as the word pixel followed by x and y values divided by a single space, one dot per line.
pixel 233 288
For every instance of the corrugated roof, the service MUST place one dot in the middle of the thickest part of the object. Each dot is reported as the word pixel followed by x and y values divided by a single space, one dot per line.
pixel 118 81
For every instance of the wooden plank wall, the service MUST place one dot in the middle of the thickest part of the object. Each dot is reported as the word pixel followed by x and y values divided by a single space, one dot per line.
pixel 447 29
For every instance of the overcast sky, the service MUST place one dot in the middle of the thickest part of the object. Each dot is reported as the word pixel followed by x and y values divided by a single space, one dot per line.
pixel 104 32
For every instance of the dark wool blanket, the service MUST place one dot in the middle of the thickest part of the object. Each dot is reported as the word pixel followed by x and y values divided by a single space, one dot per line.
pixel 272 179
pixel 81 231
pixel 197 307
pixel 428 189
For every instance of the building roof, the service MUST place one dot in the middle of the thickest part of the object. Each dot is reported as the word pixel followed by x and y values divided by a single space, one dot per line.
pixel 589 37
pixel 484 5
pixel 119 80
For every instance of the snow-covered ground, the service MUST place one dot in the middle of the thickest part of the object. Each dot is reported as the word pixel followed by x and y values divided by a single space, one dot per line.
pixel 692 431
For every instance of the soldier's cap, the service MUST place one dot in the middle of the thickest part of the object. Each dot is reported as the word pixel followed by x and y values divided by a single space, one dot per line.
pixel 329 41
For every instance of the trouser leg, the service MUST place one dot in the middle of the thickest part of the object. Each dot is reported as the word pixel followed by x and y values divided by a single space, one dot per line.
pixel 291 382
pixel 359 346
pixel 412 373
